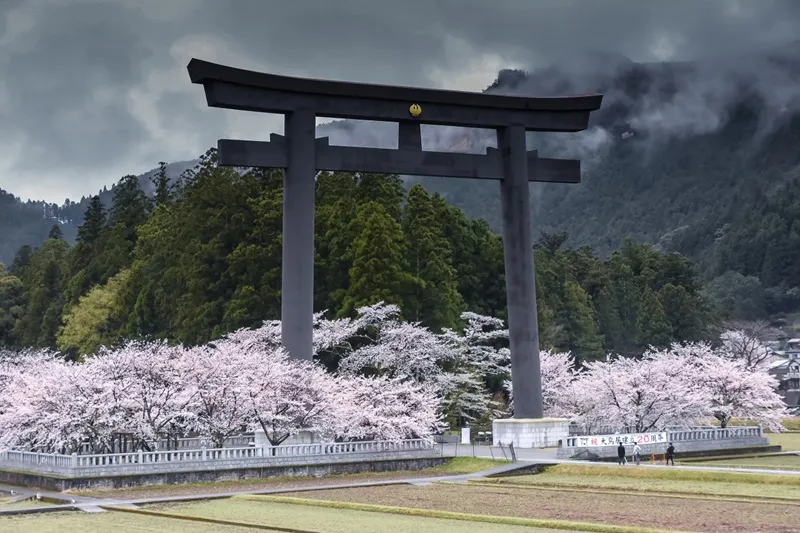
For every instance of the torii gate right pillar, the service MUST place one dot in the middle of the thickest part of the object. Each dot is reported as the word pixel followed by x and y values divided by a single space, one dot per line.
pixel 528 428
pixel 523 328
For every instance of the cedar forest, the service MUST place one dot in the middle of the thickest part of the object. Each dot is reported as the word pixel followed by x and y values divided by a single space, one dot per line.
pixel 202 258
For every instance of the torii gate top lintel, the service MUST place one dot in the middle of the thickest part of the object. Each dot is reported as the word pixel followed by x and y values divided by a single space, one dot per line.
pixel 246 90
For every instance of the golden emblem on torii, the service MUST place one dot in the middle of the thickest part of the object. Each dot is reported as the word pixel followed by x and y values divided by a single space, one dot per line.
pixel 415 110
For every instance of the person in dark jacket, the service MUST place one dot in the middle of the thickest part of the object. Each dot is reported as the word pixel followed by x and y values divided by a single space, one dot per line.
pixel 621 454
pixel 671 454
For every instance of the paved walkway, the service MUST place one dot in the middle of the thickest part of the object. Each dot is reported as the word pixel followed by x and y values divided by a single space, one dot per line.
pixel 495 452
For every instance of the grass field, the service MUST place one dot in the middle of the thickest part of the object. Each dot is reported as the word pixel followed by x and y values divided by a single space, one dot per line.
pixel 790 442
pixel 767 462
pixel 23 504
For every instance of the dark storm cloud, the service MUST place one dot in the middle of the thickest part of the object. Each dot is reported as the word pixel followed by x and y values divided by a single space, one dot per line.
pixel 93 89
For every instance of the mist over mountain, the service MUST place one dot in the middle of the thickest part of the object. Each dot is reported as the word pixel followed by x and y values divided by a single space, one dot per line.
pixel 698 157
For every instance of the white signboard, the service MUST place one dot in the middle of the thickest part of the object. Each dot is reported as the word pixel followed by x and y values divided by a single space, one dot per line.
pixel 615 440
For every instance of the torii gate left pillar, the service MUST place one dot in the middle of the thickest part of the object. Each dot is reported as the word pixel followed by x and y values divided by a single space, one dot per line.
pixel 301 155
pixel 297 283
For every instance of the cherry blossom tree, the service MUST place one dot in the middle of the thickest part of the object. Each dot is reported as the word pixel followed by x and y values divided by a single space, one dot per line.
pixel 483 345
pixel 28 385
pixel 558 374
pixel 219 400
pixel 402 350
pixel 480 354
pixel 734 391
pixel 744 345
pixel 150 389
pixel 379 408
pixel 287 396
pixel 653 392
pixel 54 405
pixel 328 334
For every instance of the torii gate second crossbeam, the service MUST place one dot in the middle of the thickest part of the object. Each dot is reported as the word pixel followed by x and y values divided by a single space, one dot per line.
pixel 301 154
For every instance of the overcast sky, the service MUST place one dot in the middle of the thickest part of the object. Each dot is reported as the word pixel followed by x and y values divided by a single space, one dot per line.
pixel 91 90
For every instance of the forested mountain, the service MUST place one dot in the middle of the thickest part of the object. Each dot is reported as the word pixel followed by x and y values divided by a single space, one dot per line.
pixel 29 223
pixel 697 158
pixel 203 258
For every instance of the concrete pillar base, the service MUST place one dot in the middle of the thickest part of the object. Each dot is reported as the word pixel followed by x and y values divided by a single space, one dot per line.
pixel 529 432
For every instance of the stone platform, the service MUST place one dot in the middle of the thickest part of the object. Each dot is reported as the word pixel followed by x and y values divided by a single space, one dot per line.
pixel 529 432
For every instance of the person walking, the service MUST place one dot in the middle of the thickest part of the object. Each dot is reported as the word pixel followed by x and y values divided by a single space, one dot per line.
pixel 637 454
pixel 671 454
pixel 621 454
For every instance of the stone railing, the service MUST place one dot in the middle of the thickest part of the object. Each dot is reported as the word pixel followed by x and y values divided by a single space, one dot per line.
pixel 680 435
pixel 185 443
pixel 140 462
pixel 694 434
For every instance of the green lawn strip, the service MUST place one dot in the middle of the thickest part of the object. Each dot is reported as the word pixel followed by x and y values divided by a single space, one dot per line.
pixel 743 464
pixel 668 474
pixel 31 502
pixel 777 457
pixel 627 492
pixel 789 442
pixel 191 518
pixel 567 525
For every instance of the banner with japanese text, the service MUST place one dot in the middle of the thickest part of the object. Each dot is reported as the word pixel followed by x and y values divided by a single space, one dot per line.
pixel 615 440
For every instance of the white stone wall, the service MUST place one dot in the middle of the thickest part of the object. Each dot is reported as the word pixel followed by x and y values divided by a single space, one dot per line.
pixel 530 432
pixel 303 437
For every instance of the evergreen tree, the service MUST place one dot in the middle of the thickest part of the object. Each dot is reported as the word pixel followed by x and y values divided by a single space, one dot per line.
pixel 21 260
pixel 163 190
pixel 12 306
pixel 334 235
pixel 56 233
pixel 435 300
pixel 477 255
pixel 39 324
pixel 94 222
pixel 386 190
pixel 652 321
pixel 130 209
pixel 85 260
pixel 96 319
pixel 379 271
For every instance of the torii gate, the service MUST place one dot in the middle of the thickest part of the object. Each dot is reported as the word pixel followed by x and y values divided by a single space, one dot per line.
pixel 301 154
